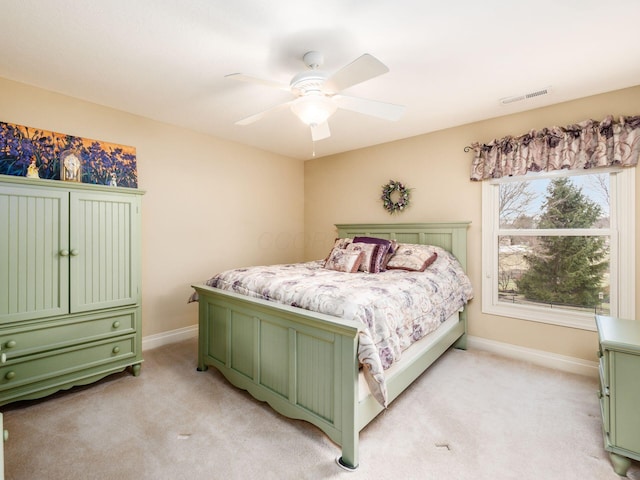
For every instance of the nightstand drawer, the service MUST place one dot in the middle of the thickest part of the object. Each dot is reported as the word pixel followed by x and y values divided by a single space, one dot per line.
pixel 65 361
pixel 604 387
pixel 61 333
pixel 604 367
pixel 604 410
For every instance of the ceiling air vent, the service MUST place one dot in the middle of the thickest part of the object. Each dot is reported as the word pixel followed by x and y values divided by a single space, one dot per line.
pixel 526 96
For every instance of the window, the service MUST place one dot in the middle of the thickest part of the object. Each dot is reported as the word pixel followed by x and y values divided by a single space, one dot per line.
pixel 559 247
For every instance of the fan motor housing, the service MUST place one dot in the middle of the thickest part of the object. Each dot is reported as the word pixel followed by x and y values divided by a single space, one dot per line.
pixel 307 82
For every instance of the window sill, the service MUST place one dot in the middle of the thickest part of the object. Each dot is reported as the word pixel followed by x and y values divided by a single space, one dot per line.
pixel 582 321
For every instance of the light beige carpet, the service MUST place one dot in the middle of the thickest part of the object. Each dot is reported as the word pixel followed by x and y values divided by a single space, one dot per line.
pixel 472 415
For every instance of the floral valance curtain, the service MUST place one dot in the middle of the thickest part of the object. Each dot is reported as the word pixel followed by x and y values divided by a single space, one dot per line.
pixel 588 144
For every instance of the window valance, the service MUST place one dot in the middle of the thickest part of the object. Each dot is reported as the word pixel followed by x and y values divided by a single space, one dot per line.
pixel 588 144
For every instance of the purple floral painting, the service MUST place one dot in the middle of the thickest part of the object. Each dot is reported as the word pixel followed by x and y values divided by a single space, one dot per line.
pixel 32 152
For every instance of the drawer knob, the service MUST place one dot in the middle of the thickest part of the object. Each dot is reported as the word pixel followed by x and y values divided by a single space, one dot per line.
pixel 116 324
pixel 116 350
pixel 11 344
pixel 10 375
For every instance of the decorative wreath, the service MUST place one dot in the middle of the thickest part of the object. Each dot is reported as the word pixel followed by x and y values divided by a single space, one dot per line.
pixel 402 201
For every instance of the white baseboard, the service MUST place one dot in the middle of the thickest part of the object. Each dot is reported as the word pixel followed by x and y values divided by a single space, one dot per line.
pixel 172 336
pixel 537 357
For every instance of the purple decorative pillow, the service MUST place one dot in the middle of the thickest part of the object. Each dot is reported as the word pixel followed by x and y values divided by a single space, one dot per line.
pixel 392 250
pixel 383 249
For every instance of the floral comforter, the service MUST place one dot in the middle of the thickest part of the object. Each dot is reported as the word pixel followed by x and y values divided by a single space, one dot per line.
pixel 396 307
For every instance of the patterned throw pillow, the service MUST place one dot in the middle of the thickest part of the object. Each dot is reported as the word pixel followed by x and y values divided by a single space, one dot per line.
pixel 370 251
pixel 339 243
pixel 415 258
pixel 342 260
pixel 342 242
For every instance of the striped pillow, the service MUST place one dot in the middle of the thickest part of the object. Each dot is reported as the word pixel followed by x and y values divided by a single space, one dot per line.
pixel 370 255
pixel 383 248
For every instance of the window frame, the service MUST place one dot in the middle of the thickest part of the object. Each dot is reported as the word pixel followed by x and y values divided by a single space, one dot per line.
pixel 622 255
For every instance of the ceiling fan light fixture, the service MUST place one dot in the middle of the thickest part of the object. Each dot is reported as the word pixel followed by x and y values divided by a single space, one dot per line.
pixel 313 109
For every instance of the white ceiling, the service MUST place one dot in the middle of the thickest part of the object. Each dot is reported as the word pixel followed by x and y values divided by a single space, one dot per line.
pixel 450 61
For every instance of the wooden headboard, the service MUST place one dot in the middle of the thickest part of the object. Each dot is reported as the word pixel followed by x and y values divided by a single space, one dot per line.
pixel 450 236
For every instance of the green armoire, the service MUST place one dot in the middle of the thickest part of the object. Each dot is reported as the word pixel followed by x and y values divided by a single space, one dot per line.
pixel 70 293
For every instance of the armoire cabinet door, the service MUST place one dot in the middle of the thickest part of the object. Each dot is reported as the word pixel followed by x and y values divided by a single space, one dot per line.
pixel 34 261
pixel 103 251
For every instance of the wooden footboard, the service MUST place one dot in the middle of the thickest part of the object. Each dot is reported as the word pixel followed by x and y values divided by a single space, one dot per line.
pixel 304 364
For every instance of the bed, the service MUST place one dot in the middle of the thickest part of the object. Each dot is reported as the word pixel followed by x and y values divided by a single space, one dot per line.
pixel 305 364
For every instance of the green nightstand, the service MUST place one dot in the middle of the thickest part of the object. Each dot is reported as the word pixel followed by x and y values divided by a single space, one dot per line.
pixel 620 389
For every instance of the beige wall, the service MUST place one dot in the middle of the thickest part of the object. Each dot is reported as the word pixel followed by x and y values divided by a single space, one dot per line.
pixel 346 188
pixel 209 204
pixel 264 208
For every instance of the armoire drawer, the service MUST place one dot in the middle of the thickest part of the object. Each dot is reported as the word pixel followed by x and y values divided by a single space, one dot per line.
pixel 43 366
pixel 55 334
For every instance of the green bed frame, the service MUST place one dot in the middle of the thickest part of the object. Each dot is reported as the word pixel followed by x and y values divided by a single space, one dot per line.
pixel 304 364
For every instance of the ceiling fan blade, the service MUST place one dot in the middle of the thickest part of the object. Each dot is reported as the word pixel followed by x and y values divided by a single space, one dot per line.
pixel 242 77
pixel 257 116
pixel 362 68
pixel 386 111
pixel 320 132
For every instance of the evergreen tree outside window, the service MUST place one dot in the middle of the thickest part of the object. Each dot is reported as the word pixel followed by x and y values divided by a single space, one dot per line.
pixel 566 270
pixel 557 246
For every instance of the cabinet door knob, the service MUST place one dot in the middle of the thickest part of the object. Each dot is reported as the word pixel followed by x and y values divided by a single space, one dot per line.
pixel 74 252
pixel 11 344
pixel 64 253
pixel 10 375
pixel 116 350
pixel 5 435
pixel 116 324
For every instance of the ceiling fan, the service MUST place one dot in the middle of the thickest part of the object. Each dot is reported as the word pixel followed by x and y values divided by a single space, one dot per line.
pixel 316 93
